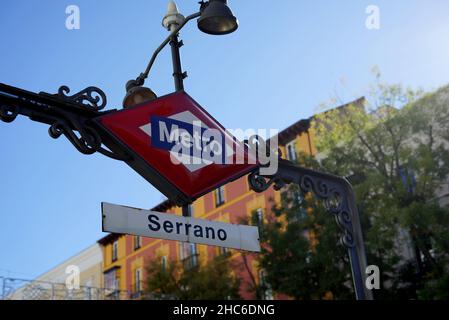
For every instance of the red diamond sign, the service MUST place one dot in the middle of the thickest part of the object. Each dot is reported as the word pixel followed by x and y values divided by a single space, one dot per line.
pixel 177 146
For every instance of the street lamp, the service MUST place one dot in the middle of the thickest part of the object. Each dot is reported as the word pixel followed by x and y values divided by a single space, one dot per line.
pixel 136 94
pixel 215 17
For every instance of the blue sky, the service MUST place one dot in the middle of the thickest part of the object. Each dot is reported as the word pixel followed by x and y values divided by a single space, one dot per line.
pixel 285 60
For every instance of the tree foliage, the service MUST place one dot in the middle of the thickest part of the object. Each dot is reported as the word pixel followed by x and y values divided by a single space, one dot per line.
pixel 395 150
pixel 393 147
pixel 211 281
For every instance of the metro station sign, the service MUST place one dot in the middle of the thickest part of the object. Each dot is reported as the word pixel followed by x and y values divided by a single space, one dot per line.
pixel 177 146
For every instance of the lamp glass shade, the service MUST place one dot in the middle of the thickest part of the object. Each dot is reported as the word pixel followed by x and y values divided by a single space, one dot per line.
pixel 217 18
pixel 138 95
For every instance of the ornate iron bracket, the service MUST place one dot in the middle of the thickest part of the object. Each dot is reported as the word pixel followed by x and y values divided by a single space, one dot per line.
pixel 339 200
pixel 70 116
pixel 79 119
pixel 91 97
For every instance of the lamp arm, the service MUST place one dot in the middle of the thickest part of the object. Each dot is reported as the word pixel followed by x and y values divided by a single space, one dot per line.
pixel 141 79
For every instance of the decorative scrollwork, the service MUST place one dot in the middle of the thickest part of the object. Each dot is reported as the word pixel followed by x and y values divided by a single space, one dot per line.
pixel 91 97
pixel 317 186
pixel 332 192
pixel 8 113
pixel 334 202
pixel 260 184
pixel 63 113
pixel 89 141
pixel 345 222
pixel 84 138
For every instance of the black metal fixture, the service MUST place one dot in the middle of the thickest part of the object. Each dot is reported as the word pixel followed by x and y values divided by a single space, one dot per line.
pixel 217 18
pixel 70 116
pixel 136 94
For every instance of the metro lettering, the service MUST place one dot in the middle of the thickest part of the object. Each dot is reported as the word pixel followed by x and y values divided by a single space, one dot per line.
pixel 188 139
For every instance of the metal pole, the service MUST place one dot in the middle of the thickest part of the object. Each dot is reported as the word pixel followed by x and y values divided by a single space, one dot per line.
pixel 141 78
pixel 178 75
pixel 186 211
pixel 357 254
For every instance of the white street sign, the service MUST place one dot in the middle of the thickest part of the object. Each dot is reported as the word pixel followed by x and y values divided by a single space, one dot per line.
pixel 146 223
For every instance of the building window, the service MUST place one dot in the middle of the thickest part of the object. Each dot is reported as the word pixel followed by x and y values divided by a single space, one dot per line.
pixel 111 281
pixel 291 151
pixel 222 251
pixel 259 216
pixel 188 255
pixel 137 281
pixel 267 292
pixel 137 242
pixel 164 263
pixel 114 251
pixel 219 196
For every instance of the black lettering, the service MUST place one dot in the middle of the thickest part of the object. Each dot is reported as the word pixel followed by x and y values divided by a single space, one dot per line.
pixel 178 227
pixel 168 226
pixel 212 231
pixel 198 231
pixel 222 235
pixel 154 225
pixel 187 228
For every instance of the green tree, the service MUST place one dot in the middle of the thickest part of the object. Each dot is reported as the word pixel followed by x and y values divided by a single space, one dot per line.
pixel 395 150
pixel 212 281
pixel 393 147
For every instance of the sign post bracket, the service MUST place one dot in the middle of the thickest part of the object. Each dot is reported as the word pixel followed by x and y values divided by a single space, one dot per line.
pixel 339 200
